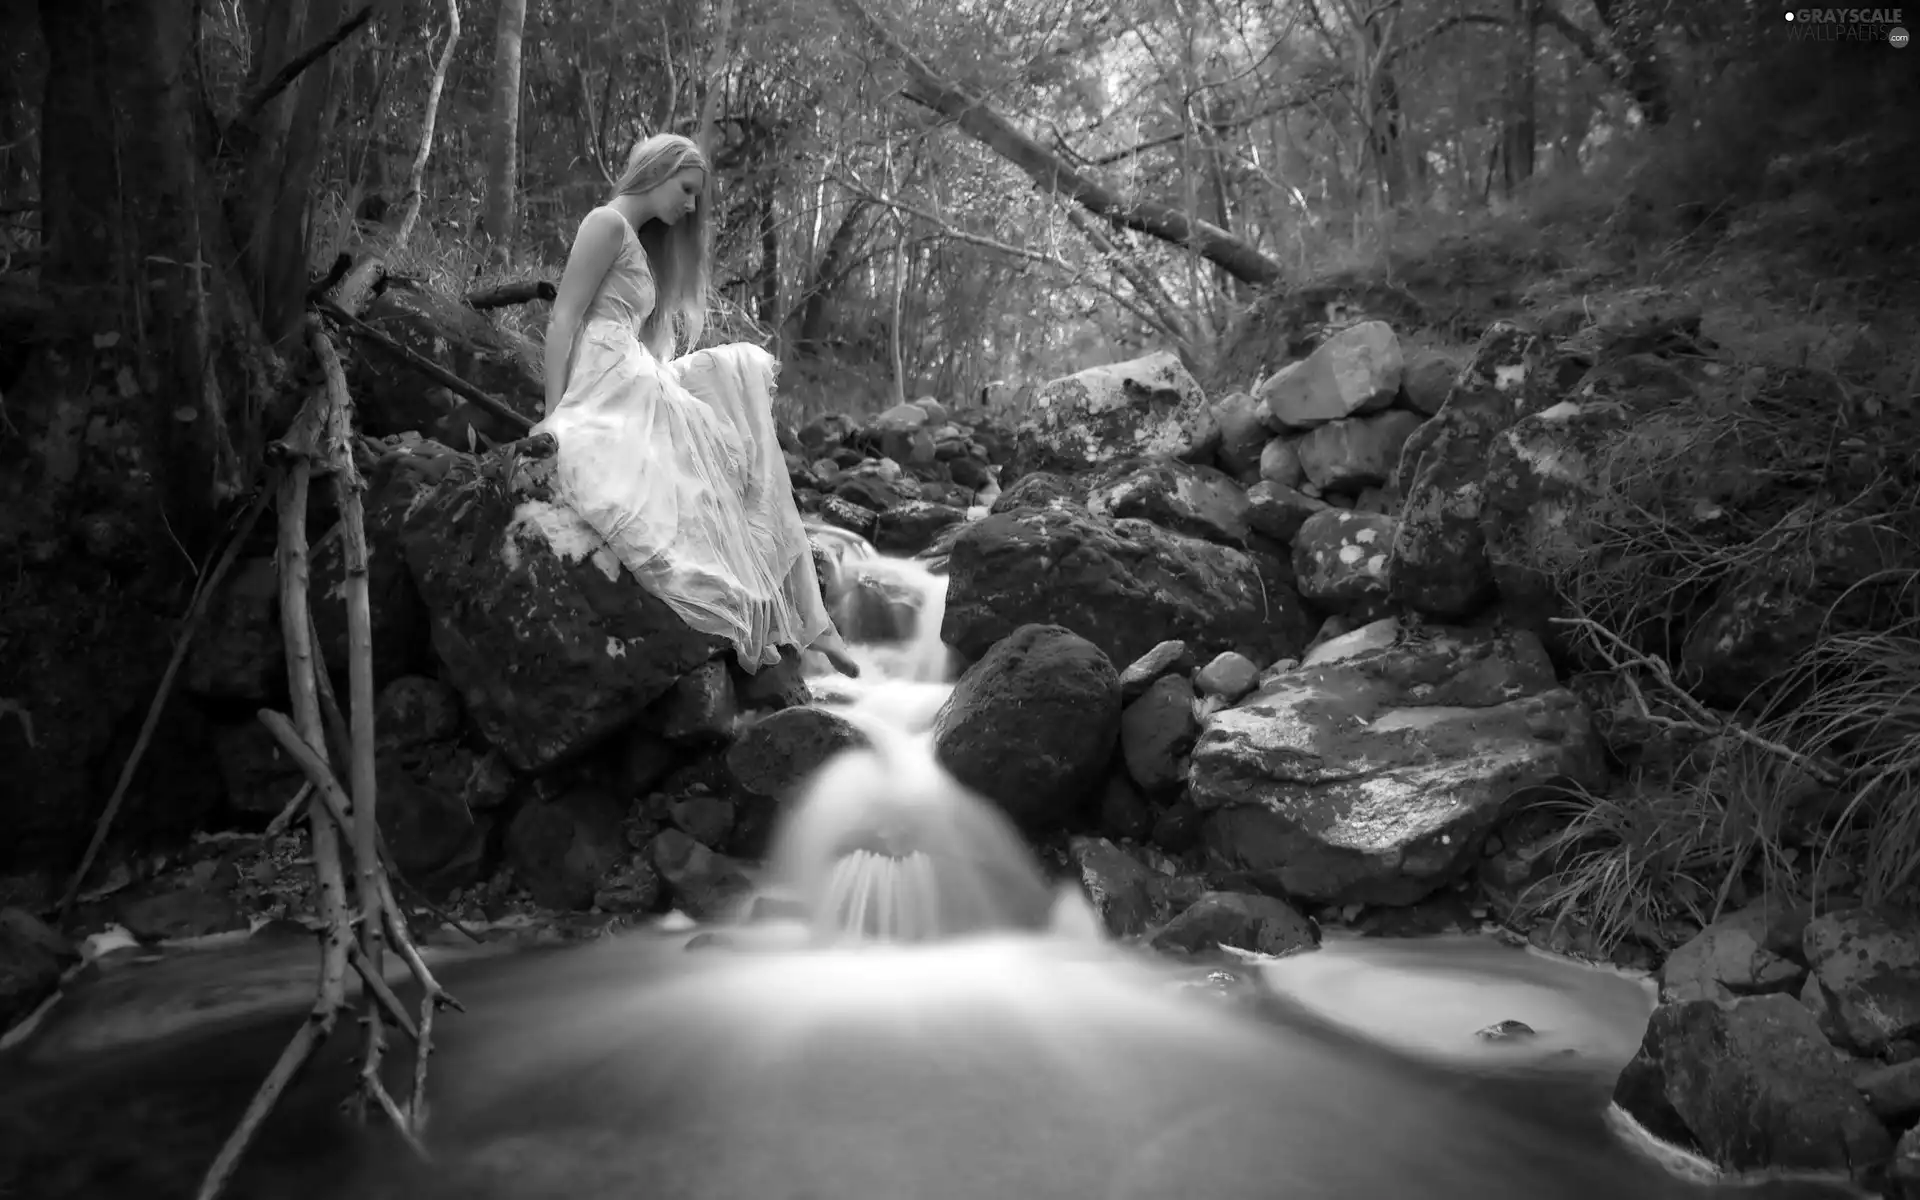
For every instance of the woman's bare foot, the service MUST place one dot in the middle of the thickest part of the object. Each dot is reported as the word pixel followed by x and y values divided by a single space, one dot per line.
pixel 836 652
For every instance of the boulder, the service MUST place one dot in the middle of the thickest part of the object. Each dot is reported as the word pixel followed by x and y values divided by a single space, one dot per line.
pixel 911 526
pixel 1128 896
pixel 1125 585
pixel 1200 502
pixel 1278 512
pixel 1280 463
pixel 1228 676
pixel 1355 453
pixel 399 619
pixel 1243 435
pixel 238 654
pixel 560 848
pixel 776 755
pixel 1144 406
pixel 1753 1084
pixel 1156 734
pixel 1541 475
pixel 1428 377
pixel 1170 657
pixel 1439 564
pixel 699 881
pixel 1357 370
pixel 1866 961
pixel 1041 489
pixel 390 397
pixel 1738 955
pixel 552 645
pixel 1373 772
pixel 1254 923
pixel 1032 725
pixel 1340 561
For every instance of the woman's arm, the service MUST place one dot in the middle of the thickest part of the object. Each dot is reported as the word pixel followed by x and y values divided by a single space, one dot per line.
pixel 598 241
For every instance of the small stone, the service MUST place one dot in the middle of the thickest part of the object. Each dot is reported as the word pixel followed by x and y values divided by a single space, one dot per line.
pixel 1505 1031
pixel 1229 675
pixel 1170 657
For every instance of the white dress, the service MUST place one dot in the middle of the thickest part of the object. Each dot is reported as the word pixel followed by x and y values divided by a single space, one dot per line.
pixel 676 464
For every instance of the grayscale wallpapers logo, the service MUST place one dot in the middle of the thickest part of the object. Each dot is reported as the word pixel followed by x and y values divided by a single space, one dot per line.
pixel 1848 25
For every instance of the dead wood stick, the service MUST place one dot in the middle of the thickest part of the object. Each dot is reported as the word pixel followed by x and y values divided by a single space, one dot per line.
pixel 363 780
pixel 196 612
pixel 520 291
pixel 326 789
pixel 305 730
pixel 305 1040
pixel 339 739
pixel 279 824
pixel 376 984
pixel 426 366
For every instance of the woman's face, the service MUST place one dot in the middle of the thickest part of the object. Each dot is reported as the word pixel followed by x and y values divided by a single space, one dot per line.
pixel 678 196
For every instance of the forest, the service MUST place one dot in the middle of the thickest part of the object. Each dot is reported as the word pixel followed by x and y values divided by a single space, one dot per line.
pixel 956 201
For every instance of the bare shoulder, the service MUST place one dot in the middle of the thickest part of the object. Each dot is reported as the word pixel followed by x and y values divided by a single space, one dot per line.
pixel 601 226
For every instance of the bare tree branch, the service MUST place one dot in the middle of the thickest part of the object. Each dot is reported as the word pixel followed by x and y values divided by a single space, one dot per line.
pixel 1052 174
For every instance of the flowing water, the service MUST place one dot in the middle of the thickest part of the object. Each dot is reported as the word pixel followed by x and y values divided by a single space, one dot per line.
pixel 943 1023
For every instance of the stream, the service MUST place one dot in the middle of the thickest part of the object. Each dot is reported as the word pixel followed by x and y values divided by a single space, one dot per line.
pixel 939 1024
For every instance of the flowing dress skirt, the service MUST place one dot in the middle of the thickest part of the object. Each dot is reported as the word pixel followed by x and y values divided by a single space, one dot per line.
pixel 678 467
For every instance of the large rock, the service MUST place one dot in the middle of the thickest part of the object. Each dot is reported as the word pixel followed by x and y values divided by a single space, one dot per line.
pixel 1754 1085
pixel 1124 585
pixel 562 847
pixel 1340 560
pixel 1144 406
pixel 1355 371
pixel 1439 564
pixel 399 620
pixel 551 643
pixel 1867 964
pixel 1200 502
pixel 1356 453
pixel 391 397
pixel 775 756
pixel 1243 435
pixel 1741 954
pixel 1374 771
pixel 1032 725
pixel 1541 475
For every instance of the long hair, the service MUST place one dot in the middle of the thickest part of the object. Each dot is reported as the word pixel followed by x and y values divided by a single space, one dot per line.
pixel 677 254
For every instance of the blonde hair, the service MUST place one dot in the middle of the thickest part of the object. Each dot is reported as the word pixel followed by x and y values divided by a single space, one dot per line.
pixel 677 254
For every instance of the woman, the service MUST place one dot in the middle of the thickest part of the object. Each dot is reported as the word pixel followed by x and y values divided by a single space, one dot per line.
pixel 674 460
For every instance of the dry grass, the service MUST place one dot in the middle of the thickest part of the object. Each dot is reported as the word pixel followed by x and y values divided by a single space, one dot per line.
pixel 1653 857
pixel 1854 700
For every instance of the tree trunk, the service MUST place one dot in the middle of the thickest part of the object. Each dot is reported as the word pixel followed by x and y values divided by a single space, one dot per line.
pixel 417 178
pixel 1638 66
pixel 1051 173
pixel 133 214
pixel 713 83
pixel 815 312
pixel 284 143
pixel 144 411
pixel 1518 126
pixel 503 130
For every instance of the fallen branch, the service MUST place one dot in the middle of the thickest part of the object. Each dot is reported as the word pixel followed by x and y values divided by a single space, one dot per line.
pixel 1700 719
pixel 347 487
pixel 196 612
pixel 426 366
pixel 304 738
pixel 523 291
